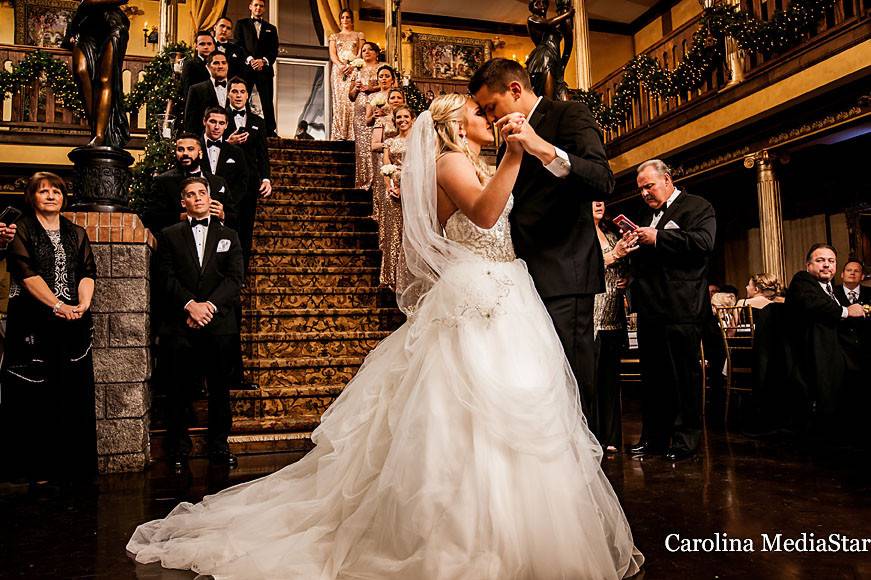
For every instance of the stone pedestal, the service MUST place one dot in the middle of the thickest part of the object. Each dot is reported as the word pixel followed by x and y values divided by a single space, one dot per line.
pixel 121 307
pixel 102 179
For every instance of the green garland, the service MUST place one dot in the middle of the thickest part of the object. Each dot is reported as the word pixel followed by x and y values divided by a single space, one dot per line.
pixel 159 85
pixel 54 72
pixel 414 98
pixel 784 30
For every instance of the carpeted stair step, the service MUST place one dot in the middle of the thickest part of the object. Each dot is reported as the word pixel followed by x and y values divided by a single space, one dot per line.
pixel 316 208
pixel 269 277
pixel 290 193
pixel 310 145
pixel 271 240
pixel 308 167
pixel 304 223
pixel 311 155
pixel 313 179
pixel 327 320
pixel 302 372
pixel 311 344
pixel 309 258
pixel 318 297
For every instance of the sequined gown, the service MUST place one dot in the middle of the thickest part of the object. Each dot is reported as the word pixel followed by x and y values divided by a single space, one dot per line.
pixel 362 133
pixel 343 108
pixel 457 452
pixel 388 129
pixel 393 270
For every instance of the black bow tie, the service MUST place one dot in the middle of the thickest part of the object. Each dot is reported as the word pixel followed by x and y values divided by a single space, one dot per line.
pixel 203 222
pixel 210 143
pixel 237 112
pixel 257 20
pixel 220 83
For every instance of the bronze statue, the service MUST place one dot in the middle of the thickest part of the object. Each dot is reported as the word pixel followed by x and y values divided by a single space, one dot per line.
pixel 97 36
pixel 547 62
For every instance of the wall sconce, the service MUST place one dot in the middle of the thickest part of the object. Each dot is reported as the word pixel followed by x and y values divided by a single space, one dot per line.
pixel 149 35
pixel 498 42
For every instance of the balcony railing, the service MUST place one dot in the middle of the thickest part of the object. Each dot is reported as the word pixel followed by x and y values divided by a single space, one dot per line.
pixel 647 109
pixel 32 115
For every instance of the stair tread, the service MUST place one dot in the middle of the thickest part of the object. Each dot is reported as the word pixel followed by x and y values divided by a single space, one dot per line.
pixel 297 291
pixel 316 252
pixel 313 203
pixel 319 270
pixel 317 312
pixel 303 362
pixel 267 233
pixel 319 336
pixel 278 392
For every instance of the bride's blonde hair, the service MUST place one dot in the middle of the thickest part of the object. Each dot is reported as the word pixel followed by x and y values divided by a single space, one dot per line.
pixel 447 115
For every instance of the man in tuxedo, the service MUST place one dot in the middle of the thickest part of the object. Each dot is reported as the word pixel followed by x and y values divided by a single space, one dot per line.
pixel 194 69
pixel 248 132
pixel 163 210
pixel 223 32
pixel 855 337
pixel 259 39
pixel 817 318
pixel 669 291
pixel 563 170
pixel 207 94
pixel 200 272
pixel 224 159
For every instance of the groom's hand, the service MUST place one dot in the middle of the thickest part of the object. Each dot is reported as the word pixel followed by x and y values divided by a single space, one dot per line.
pixel 526 136
pixel 507 126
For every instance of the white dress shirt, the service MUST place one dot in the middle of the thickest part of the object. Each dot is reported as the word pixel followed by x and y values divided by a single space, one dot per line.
pixel 829 290
pixel 213 153
pixel 220 92
pixel 658 214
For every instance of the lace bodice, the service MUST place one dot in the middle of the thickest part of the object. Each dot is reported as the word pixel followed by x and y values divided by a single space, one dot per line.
pixel 493 244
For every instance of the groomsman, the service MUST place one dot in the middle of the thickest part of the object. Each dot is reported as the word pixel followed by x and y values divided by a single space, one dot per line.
pixel 259 39
pixel 223 31
pixel 248 131
pixel 164 210
pixel 222 158
pixel 200 273
pixel 669 291
pixel 210 93
pixel 194 69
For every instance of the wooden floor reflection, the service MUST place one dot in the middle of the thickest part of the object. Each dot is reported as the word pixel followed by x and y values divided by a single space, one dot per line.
pixel 739 487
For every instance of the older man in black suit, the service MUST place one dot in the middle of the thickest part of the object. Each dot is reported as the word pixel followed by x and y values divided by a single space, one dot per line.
pixel 207 94
pixel 818 318
pixel 200 272
pixel 259 39
pixel 563 170
pixel 669 291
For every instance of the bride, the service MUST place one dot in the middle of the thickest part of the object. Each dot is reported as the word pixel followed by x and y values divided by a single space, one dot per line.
pixel 459 450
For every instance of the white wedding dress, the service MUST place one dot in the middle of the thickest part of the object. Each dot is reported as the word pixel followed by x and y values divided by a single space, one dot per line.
pixel 458 452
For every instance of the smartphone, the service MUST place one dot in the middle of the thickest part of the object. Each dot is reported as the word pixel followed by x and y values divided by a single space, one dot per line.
pixel 624 223
pixel 9 215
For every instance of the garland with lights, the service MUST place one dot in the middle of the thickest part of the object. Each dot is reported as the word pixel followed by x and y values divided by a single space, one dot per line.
pixel 158 86
pixel 53 72
pixel 783 31
pixel 414 98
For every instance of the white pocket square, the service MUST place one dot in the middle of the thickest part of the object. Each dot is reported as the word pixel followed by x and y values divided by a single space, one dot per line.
pixel 230 160
pixel 255 127
pixel 671 226
pixel 221 190
pixel 223 245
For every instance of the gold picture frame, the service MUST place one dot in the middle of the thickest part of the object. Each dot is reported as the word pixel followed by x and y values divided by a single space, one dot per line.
pixel 42 23
pixel 448 58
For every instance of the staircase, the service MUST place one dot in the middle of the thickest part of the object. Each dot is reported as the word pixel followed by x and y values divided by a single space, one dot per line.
pixel 312 309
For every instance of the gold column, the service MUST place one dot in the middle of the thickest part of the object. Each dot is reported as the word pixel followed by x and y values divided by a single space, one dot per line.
pixel 582 45
pixel 770 214
pixel 734 55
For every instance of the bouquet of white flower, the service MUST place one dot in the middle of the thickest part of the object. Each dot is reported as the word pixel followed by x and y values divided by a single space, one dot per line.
pixel 346 56
pixel 388 170
pixel 357 63
pixel 378 100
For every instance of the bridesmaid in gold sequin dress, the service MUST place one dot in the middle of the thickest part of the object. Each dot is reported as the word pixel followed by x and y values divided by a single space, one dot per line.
pixel 393 271
pixel 344 48
pixel 381 119
pixel 364 84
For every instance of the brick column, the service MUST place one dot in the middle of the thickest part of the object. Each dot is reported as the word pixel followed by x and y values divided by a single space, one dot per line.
pixel 122 361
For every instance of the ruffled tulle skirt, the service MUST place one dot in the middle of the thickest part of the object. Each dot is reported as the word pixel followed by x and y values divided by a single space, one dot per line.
pixel 458 451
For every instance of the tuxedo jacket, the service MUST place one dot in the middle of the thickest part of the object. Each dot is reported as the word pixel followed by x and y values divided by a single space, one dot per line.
pixel 200 97
pixel 670 278
pixel 254 148
pixel 855 333
pixel 233 168
pixel 266 46
pixel 193 72
pixel 165 206
pixel 552 220
pixel 181 278
pixel 235 58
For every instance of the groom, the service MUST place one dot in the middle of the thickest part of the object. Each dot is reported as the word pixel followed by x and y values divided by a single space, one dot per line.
pixel 563 170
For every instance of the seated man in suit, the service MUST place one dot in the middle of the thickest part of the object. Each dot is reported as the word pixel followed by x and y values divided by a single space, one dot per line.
pixel 248 131
pixel 194 70
pixel 207 94
pixel 163 211
pixel 223 31
pixel 222 158
pixel 817 316
pixel 200 273
pixel 669 291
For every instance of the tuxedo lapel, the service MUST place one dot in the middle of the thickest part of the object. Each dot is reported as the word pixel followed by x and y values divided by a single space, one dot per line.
pixel 670 211
pixel 187 237
pixel 211 241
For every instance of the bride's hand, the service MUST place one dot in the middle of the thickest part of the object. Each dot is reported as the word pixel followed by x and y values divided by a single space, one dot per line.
pixel 508 125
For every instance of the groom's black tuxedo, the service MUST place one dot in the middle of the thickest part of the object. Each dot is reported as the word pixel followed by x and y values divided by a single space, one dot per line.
pixel 552 230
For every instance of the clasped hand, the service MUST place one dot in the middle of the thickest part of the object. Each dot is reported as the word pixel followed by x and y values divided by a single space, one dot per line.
pixel 70 312
pixel 199 314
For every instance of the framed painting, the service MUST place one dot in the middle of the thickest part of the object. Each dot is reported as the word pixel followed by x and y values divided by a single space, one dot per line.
pixel 448 57
pixel 42 22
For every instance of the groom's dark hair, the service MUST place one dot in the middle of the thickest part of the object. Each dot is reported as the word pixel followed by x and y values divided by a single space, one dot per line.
pixel 497 74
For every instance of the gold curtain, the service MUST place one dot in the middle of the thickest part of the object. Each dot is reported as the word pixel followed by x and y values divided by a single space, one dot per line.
pixel 329 12
pixel 205 13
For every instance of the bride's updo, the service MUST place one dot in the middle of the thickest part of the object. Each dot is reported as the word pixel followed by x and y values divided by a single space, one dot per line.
pixel 448 113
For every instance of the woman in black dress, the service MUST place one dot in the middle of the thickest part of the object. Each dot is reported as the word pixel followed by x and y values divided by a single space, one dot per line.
pixel 47 378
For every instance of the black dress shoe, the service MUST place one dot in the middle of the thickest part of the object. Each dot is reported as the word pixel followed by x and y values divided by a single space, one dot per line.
pixel 678 454
pixel 645 448
pixel 223 458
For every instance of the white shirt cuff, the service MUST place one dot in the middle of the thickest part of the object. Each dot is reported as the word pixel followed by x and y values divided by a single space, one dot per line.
pixel 214 308
pixel 560 166
pixel 844 312
pixel 186 304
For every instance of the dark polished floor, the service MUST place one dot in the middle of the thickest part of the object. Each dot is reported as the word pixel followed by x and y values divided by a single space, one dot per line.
pixel 739 487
